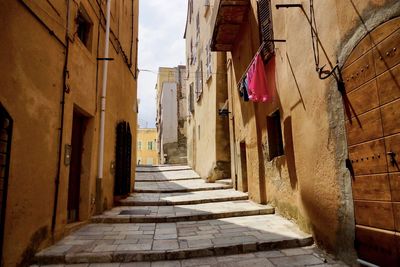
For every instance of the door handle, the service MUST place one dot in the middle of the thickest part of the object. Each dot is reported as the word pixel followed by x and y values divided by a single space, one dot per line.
pixel 392 156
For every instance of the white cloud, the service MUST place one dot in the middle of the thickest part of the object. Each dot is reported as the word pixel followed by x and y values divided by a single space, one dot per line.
pixel 161 44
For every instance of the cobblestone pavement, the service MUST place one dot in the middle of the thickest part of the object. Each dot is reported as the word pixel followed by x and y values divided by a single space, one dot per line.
pixel 218 232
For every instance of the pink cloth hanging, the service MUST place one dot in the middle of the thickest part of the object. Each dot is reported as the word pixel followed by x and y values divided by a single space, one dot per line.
pixel 258 90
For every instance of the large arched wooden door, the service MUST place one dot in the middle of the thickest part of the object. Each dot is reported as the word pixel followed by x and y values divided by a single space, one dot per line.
pixel 372 78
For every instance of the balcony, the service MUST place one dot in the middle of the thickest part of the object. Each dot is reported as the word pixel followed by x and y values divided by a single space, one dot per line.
pixel 227 19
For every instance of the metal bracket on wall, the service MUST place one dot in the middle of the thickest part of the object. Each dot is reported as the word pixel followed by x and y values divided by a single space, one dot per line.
pixel 105 58
pixel 288 6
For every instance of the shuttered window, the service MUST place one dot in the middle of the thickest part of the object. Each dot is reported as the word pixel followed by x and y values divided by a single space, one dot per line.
pixel 266 30
pixel 191 98
pixel 199 81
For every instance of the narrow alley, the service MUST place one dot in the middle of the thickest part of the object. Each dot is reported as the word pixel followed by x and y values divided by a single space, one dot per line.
pixel 176 219
pixel 208 133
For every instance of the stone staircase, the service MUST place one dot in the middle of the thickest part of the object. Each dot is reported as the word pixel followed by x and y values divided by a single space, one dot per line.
pixel 173 215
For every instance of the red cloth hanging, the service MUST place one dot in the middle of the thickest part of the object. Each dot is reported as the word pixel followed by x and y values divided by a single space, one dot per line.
pixel 258 89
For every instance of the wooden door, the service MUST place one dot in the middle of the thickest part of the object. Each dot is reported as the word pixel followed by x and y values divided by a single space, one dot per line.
pixel 372 78
pixel 74 182
pixel 6 124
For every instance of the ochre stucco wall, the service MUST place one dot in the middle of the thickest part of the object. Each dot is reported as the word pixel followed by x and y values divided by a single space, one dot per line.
pixel 31 63
pixel 310 183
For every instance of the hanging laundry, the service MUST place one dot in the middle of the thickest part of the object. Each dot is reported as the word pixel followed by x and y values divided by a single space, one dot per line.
pixel 257 81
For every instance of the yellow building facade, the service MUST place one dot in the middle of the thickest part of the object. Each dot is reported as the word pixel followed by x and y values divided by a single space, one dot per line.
pixel 147 152
pixel 206 86
pixel 51 65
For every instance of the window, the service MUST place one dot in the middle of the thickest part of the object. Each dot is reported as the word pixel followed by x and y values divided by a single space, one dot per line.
pixel 208 61
pixel 150 145
pixel 84 28
pixel 199 81
pixel 139 145
pixel 191 98
pixel 275 142
pixel 266 29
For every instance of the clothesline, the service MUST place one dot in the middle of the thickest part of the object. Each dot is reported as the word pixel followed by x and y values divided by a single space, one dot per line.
pixel 251 62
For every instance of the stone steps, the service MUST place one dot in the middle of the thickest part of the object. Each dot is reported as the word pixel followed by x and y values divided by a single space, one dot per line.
pixel 177 186
pixel 189 219
pixel 107 243
pixel 196 197
pixel 225 181
pixel 161 168
pixel 166 176
pixel 196 212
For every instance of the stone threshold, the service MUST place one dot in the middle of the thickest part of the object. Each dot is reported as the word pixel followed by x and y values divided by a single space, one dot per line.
pixel 167 219
pixel 174 254
pixel 182 190
pixel 166 179
pixel 127 203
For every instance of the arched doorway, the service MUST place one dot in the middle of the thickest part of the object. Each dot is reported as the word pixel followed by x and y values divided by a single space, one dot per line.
pixel 372 78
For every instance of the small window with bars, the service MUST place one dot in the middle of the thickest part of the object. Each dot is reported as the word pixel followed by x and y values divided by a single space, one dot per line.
pixel 266 29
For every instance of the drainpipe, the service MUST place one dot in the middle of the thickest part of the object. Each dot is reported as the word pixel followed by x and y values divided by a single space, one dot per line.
pixel 99 189
pixel 61 129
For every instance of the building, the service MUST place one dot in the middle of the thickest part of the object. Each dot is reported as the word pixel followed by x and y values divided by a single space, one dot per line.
pixel 208 138
pixel 147 153
pixel 323 148
pixel 171 115
pixel 52 55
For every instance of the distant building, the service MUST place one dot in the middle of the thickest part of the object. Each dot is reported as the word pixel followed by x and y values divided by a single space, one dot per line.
pixel 51 65
pixel 171 115
pixel 147 152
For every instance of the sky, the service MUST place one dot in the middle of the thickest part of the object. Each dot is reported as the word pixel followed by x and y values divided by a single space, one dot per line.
pixel 161 44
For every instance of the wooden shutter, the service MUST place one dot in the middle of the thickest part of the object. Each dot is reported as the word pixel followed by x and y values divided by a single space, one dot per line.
pixel 266 30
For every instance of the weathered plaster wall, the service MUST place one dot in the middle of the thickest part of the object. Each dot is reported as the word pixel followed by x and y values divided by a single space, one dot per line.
pixel 310 183
pixel 31 64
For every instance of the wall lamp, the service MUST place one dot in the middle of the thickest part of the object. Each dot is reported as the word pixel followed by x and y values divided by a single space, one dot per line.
pixel 288 5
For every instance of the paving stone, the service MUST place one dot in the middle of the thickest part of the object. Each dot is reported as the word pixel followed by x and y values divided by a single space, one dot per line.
pixel 165 244
pixel 166 264
pixel 299 260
